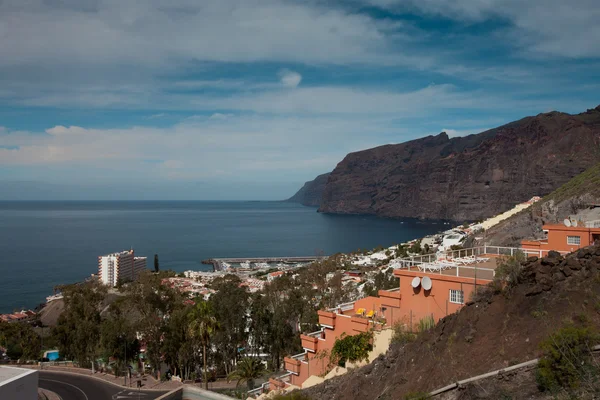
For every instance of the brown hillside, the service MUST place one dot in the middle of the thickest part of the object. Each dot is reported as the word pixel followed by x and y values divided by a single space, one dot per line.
pixel 466 178
pixel 572 198
pixel 501 330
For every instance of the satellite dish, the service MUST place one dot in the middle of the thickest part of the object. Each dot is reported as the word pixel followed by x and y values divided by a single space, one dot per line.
pixel 426 282
pixel 415 282
pixel 567 222
pixel 574 223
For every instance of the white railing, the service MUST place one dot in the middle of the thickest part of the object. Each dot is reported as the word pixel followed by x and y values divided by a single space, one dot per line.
pixel 299 357
pixel 593 224
pixel 315 334
pixel 342 307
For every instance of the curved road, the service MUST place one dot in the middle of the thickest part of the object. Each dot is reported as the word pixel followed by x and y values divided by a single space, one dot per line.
pixel 81 387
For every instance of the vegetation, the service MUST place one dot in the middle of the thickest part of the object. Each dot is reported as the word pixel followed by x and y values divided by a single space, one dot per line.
pixel 426 323
pixel 352 348
pixel 203 325
pixel 156 266
pixel 416 396
pixel 383 280
pixel 248 370
pixel 20 341
pixel 586 182
pixel 78 328
pixel 567 362
pixel 509 269
pixel 402 334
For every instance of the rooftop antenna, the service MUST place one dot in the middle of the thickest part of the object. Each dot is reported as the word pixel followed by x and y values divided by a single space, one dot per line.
pixel 567 222
pixel 426 282
pixel 415 282
pixel 574 223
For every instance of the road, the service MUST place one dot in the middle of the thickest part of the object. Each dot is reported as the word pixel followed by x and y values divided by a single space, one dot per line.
pixel 81 387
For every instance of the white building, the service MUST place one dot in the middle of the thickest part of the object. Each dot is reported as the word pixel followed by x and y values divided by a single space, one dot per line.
pixel 124 266
pixel 18 384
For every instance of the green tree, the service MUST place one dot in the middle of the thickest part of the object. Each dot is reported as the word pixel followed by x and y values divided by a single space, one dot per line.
pixel 152 303
pixel 78 329
pixel 156 266
pixel 20 341
pixel 352 348
pixel 180 347
pixel 230 305
pixel 203 326
pixel 248 369
pixel 118 339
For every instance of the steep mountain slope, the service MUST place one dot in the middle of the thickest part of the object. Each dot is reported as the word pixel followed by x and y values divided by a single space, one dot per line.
pixel 498 330
pixel 310 194
pixel 466 178
pixel 571 199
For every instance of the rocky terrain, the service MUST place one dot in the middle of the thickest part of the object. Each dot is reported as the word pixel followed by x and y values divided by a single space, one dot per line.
pixel 310 194
pixel 498 329
pixel 463 178
pixel 573 199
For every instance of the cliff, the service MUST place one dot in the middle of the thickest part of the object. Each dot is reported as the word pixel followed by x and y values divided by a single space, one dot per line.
pixel 465 178
pixel 573 199
pixel 310 194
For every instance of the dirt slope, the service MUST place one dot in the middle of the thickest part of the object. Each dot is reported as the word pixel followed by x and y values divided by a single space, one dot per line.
pixel 490 334
pixel 572 198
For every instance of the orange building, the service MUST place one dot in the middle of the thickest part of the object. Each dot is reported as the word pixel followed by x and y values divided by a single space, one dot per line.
pixel 444 293
pixel 564 239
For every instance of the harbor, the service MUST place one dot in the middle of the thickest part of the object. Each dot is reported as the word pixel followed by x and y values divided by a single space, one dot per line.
pixel 222 264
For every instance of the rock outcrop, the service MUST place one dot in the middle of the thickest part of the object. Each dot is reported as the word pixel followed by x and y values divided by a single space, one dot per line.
pixel 465 178
pixel 310 194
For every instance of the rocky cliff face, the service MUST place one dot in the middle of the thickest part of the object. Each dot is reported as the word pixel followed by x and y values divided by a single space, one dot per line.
pixel 466 178
pixel 310 194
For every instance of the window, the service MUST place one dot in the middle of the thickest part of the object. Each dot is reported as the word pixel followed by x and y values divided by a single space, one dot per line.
pixel 574 240
pixel 457 296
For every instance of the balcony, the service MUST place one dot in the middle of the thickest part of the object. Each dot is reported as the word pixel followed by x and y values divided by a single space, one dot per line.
pixel 360 324
pixel 327 318
pixel 310 342
pixel 292 364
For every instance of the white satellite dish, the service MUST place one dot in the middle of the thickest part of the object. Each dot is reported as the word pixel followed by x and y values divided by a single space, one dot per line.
pixel 415 282
pixel 426 282
pixel 574 223
pixel 567 222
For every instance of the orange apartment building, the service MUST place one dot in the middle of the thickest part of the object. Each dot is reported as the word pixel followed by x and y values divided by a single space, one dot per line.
pixel 449 290
pixel 564 239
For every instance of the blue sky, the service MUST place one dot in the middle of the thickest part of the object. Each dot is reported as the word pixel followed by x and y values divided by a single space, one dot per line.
pixel 226 99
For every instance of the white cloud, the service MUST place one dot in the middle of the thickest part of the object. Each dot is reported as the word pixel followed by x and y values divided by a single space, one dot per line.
pixel 290 78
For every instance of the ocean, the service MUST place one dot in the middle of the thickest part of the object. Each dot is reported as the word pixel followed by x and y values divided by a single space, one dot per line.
pixel 48 243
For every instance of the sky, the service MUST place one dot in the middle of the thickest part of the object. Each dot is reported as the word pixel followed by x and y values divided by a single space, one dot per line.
pixel 248 99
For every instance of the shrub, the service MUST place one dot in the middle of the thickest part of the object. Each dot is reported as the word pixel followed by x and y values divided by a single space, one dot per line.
pixel 426 323
pixel 401 335
pixel 567 361
pixel 352 348
pixel 509 269
pixel 416 396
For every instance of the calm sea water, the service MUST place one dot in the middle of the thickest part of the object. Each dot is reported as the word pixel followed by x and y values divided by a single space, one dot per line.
pixel 43 244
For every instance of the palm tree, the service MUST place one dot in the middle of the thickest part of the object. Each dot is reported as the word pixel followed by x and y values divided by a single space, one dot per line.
pixel 247 370
pixel 202 326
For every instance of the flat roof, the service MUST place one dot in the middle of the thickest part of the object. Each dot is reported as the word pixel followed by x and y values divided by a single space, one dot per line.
pixel 9 374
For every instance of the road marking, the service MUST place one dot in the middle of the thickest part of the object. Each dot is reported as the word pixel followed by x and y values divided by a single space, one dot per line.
pixel 130 395
pixel 65 383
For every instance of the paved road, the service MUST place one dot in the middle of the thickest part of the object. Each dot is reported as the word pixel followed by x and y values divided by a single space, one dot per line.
pixel 80 387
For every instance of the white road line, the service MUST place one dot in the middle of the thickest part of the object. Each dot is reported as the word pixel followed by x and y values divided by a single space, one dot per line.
pixel 65 383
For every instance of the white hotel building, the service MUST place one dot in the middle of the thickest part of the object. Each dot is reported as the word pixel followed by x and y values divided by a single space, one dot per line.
pixel 124 265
